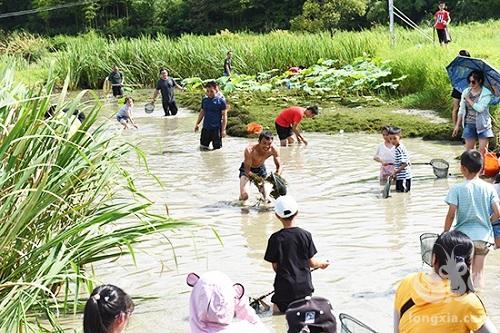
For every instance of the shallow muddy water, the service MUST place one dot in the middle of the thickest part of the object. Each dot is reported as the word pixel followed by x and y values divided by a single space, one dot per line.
pixel 371 242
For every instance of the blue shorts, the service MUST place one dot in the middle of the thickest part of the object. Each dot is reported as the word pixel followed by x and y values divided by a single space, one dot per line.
pixel 496 229
pixel 470 132
pixel 120 118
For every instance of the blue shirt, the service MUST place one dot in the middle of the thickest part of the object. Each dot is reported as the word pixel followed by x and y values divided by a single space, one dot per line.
pixel 213 108
pixel 474 199
pixel 401 156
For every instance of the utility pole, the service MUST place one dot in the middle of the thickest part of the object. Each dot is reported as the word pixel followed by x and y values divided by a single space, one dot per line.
pixel 391 22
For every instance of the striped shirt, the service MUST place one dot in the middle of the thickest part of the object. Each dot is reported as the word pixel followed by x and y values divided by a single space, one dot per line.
pixel 401 156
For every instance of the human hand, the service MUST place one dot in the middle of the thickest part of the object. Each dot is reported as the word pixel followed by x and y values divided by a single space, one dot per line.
pixel 305 141
pixel 455 132
pixel 196 127
pixel 324 264
pixel 223 133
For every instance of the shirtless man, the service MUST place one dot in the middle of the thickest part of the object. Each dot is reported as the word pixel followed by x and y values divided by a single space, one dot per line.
pixel 255 156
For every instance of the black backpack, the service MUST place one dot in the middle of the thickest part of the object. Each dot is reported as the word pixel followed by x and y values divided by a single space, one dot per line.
pixel 311 315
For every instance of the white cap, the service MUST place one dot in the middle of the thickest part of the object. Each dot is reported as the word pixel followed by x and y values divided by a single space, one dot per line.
pixel 285 206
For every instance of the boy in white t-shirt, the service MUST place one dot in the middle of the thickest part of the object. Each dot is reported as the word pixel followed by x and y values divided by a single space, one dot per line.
pixel 385 156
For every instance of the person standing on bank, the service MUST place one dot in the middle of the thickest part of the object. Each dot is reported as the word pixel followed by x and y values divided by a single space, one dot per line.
pixel 441 21
pixel 214 115
pixel 166 86
pixel 474 115
pixel 227 63
pixel 116 79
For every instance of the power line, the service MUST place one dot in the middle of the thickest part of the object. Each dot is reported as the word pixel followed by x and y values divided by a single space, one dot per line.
pixel 43 9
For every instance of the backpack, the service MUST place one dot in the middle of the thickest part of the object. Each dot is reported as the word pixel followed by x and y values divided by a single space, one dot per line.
pixel 311 315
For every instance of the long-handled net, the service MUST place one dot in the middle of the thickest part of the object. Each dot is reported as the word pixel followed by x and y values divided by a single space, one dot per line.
pixel 350 324
pixel 427 241
pixel 440 167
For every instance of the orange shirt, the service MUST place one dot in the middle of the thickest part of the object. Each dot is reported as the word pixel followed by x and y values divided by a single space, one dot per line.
pixel 437 309
pixel 290 116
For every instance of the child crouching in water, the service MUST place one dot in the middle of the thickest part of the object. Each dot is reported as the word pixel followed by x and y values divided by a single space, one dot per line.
pixel 385 156
pixel 401 171
pixel 124 116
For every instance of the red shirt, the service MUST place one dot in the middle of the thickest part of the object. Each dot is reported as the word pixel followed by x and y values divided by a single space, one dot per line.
pixel 441 17
pixel 290 116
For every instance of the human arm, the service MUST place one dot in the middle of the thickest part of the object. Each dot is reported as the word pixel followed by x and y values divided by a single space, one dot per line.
pixel 128 114
pixel 275 266
pixel 155 94
pixel 460 114
pixel 295 130
pixel 396 321
pixel 315 263
pixel 179 86
pixel 401 167
pixel 488 327
pixel 482 102
pixel 224 122
pixel 277 161
pixel 198 121
pixel 450 216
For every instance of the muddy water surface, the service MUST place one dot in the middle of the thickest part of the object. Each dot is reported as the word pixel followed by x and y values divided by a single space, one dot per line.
pixel 372 242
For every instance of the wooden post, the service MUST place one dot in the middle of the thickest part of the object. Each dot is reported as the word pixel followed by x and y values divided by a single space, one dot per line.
pixel 391 22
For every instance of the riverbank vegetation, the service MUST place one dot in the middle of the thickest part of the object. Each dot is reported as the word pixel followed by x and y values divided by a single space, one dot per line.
pixel 176 17
pixel 66 202
pixel 413 71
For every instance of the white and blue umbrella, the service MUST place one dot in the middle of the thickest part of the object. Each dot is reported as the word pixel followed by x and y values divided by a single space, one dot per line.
pixel 460 68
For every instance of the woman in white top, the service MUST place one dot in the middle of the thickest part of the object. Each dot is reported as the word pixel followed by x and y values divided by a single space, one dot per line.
pixel 385 156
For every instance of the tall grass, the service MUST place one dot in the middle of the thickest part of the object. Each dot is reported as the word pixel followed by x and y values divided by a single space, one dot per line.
pixel 91 56
pixel 59 204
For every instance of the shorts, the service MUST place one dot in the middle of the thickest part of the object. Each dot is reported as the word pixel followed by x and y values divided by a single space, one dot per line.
pixel 117 91
pixel 496 229
pixel 481 248
pixel 212 135
pixel 456 94
pixel 120 118
pixel 470 132
pixel 283 132
pixel 259 171
pixel 442 36
pixel 386 171
pixel 169 107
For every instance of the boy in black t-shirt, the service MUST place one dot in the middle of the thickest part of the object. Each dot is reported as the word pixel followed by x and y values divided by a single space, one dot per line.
pixel 291 252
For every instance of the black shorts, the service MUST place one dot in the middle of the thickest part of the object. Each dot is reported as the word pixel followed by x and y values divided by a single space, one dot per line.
pixel 283 132
pixel 442 36
pixel 169 107
pixel 259 171
pixel 456 94
pixel 211 135
pixel 117 91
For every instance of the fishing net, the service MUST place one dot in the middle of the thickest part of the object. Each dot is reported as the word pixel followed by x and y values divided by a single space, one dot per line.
pixel 350 324
pixel 387 188
pixel 440 168
pixel 149 108
pixel 279 185
pixel 427 241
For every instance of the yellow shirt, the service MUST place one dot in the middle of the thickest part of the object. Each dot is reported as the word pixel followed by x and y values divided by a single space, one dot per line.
pixel 436 308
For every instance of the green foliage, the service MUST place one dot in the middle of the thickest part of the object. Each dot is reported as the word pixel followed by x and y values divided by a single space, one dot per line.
pixel 328 15
pixel 63 188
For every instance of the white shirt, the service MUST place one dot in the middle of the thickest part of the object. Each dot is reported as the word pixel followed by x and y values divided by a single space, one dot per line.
pixel 385 154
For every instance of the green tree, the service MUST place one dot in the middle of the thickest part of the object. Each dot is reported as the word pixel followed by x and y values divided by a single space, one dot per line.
pixel 328 14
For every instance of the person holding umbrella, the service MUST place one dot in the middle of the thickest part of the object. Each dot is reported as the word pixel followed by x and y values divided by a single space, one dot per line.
pixel 473 113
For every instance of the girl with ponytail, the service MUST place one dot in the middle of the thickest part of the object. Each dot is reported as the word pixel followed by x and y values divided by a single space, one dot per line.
pixel 107 310
pixel 444 300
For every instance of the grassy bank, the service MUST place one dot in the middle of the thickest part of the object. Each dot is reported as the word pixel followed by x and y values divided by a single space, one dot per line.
pixel 91 56
pixel 335 117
